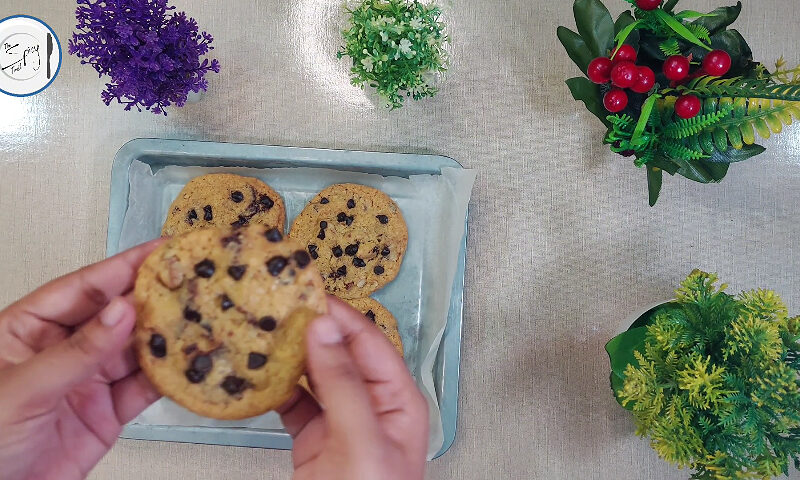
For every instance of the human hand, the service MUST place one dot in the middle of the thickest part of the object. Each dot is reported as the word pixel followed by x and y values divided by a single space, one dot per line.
pixel 68 379
pixel 373 422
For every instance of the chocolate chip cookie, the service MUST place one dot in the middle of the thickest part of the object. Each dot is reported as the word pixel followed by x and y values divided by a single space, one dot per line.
pixel 223 200
pixel 381 317
pixel 222 317
pixel 357 237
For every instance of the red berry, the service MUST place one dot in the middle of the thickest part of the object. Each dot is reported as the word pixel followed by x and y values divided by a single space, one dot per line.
pixel 676 68
pixel 648 4
pixel 717 63
pixel 624 74
pixel 646 80
pixel 615 100
pixel 625 53
pixel 599 70
pixel 687 106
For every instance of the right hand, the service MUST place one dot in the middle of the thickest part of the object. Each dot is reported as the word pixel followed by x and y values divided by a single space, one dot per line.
pixel 371 421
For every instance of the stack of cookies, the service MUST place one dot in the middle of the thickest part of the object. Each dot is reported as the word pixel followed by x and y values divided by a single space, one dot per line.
pixel 223 305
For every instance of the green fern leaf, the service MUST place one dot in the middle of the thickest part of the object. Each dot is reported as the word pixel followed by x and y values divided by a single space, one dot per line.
pixel 700 32
pixel 679 151
pixel 670 47
pixel 706 87
pixel 685 128
pixel 762 116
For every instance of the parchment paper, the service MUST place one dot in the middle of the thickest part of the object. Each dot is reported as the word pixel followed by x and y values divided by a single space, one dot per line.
pixel 434 207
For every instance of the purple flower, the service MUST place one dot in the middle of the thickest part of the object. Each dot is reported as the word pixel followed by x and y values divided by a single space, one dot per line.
pixel 153 55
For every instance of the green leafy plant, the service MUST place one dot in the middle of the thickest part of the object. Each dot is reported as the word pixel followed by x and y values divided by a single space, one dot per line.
pixel 397 47
pixel 735 108
pixel 712 380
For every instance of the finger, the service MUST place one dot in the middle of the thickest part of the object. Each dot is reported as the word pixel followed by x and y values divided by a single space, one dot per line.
pixel 132 395
pixel 73 298
pixel 375 356
pixel 338 384
pixel 48 376
pixel 298 411
pixel 401 408
pixel 119 365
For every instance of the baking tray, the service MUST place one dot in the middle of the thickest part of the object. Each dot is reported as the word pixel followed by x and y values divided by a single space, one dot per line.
pixel 158 153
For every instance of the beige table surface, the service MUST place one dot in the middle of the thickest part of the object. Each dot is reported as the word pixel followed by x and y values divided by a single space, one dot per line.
pixel 563 247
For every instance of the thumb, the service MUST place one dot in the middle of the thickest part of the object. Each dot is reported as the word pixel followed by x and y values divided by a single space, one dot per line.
pixel 338 384
pixel 52 373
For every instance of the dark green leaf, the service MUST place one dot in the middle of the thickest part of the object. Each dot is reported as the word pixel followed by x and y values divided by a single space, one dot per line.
pixel 576 48
pixel 595 25
pixel 664 164
pixel 670 5
pixel 654 178
pixel 733 155
pixel 720 18
pixel 589 93
pixel 693 170
pixel 620 349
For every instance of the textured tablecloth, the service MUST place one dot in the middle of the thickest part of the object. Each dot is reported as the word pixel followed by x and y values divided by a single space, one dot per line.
pixel 563 247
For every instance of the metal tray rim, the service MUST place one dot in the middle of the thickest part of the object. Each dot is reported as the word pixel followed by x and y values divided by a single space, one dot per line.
pixel 249 153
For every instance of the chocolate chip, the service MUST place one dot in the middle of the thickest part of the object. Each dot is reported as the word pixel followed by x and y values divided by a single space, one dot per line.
pixel 349 220
pixel 158 345
pixel 337 251
pixel 202 363
pixel 359 263
pixel 237 271
pixel 341 217
pixel 341 271
pixel 371 315
pixel 312 249
pixel 256 360
pixel 237 196
pixel 351 249
pixel 192 315
pixel 190 349
pixel 194 376
pixel 241 222
pixel 323 224
pixel 266 202
pixel 351 203
pixel 205 268
pixel 191 217
pixel 378 270
pixel 321 235
pixel 199 368
pixel 275 265
pixel 382 218
pixel 385 252
pixel 267 323
pixel 324 200
pixel 233 385
pixel 207 215
pixel 301 258
pixel 274 235
pixel 226 303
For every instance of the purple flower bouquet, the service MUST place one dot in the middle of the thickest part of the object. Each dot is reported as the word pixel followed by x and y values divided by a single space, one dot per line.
pixel 152 55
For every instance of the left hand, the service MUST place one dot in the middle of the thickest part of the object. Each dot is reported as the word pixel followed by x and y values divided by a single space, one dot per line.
pixel 68 378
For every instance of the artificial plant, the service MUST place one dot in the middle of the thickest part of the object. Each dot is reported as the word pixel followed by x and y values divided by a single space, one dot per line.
pixel 677 90
pixel 712 380
pixel 396 47
pixel 152 54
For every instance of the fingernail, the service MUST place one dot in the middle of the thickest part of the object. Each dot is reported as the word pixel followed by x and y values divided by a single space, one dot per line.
pixel 326 331
pixel 113 313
